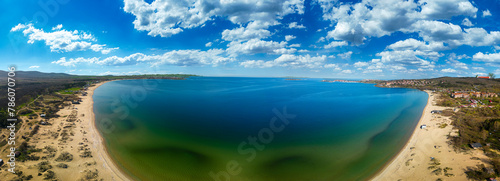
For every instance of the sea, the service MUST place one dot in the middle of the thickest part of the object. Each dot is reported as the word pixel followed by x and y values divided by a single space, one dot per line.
pixel 253 129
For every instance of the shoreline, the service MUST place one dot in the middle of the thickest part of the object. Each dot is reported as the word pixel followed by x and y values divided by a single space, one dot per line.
pixel 382 171
pixel 98 141
pixel 424 145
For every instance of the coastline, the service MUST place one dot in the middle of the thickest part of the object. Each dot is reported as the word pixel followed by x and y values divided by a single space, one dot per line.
pixel 412 161
pixel 114 171
pixel 68 147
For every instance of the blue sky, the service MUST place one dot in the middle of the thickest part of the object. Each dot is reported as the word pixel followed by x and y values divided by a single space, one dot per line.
pixel 262 38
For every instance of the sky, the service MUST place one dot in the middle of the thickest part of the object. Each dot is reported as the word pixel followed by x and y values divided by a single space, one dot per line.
pixel 368 39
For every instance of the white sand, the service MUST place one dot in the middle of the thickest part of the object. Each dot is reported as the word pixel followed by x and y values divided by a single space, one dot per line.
pixel 413 160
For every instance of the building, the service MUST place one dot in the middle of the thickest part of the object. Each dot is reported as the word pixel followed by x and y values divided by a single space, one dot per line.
pixel 460 95
pixel 476 94
pixel 489 94
pixel 423 126
pixel 463 94
pixel 42 115
pixel 483 77
pixel 1 162
pixel 75 102
pixel 476 145
pixel 436 111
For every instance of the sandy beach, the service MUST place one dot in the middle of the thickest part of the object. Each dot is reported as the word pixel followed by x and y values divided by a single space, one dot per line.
pixel 414 160
pixel 72 133
pixel 110 170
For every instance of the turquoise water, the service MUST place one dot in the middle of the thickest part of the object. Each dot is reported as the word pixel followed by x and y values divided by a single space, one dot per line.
pixel 213 128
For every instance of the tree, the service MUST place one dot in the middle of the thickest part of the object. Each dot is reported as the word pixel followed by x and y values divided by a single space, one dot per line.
pixel 491 75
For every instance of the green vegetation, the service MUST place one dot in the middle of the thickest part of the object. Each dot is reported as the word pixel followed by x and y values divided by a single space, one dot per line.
pixel 65 157
pixel 69 90
pixel 448 84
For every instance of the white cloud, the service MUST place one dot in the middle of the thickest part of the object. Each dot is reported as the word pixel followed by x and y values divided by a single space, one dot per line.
pixel 34 67
pixel 295 25
pixel 209 44
pixel 437 31
pixel 62 40
pixel 445 9
pixel 58 27
pixel 347 71
pixel 458 64
pixel 361 64
pixel 72 62
pixel 257 64
pixel 255 46
pixel 346 55
pixel 486 13
pixel 449 70
pixel 289 60
pixel 18 27
pixel 289 37
pixel 410 58
pixel 169 17
pixel 467 22
pixel 334 44
pixel 478 68
pixel 355 22
pixel 212 57
pixel 412 44
pixel 332 66
pixel 294 45
pixel 480 37
pixel 480 56
pixel 253 30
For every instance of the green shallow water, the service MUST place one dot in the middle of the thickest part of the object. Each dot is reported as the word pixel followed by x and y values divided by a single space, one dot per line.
pixel 258 129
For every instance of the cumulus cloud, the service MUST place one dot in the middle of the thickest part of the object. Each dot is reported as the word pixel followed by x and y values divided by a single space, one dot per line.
pixel 34 67
pixel 449 70
pixel 437 31
pixel 346 55
pixel 61 40
pixel 169 17
pixel 445 9
pixel 289 60
pixel 355 22
pixel 212 57
pixel 295 25
pixel 492 57
pixel 72 62
pixel 254 30
pixel 209 44
pixel 467 22
pixel 334 44
pixel 255 46
pixel 486 13
pixel 413 44
pixel 410 58
pixel 347 71
pixel 289 37
pixel 361 64
pixel 58 27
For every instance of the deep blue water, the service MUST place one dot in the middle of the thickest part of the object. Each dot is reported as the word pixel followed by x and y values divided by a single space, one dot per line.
pixel 338 130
